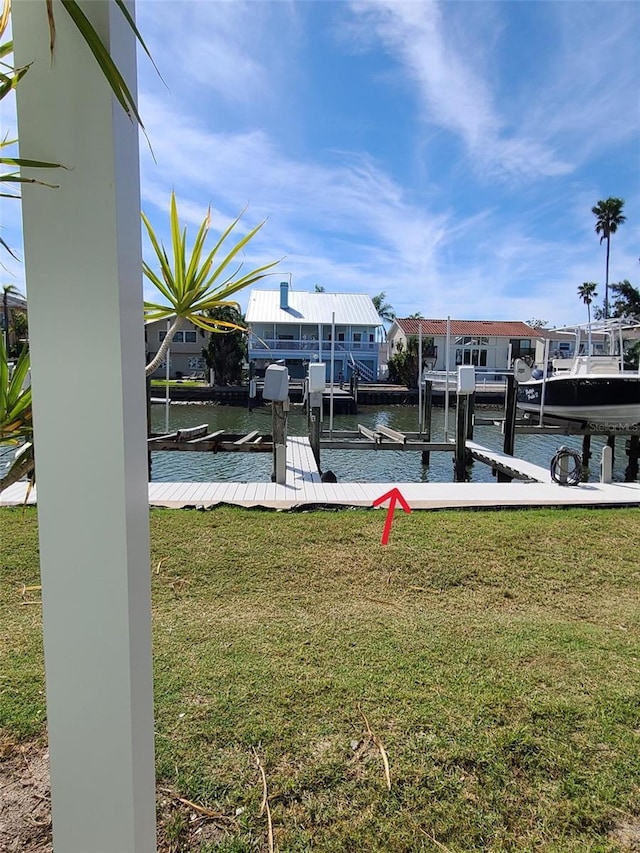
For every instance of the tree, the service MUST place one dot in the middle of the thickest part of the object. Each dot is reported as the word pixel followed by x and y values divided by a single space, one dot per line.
pixel 20 328
pixel 319 289
pixel 193 286
pixel 7 290
pixel 417 315
pixel 627 301
pixel 587 292
pixel 608 215
pixel 403 366
pixel 225 352
pixel 537 324
pixel 384 309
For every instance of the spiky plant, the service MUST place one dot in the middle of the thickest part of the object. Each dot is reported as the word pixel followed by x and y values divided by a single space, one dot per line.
pixel 193 283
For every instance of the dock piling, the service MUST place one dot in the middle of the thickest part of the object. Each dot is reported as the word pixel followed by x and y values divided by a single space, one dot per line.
pixel 509 425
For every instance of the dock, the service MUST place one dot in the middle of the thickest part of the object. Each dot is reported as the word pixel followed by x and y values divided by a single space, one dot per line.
pixel 304 489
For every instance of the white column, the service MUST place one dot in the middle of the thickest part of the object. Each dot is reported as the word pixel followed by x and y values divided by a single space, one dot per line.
pixel 83 272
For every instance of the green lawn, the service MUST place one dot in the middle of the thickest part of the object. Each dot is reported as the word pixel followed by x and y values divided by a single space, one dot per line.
pixel 495 657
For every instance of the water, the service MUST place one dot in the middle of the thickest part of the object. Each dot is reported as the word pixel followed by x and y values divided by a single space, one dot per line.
pixel 364 466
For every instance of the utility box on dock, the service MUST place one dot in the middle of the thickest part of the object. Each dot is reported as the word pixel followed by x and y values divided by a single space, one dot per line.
pixel 317 377
pixel 466 379
pixel 276 383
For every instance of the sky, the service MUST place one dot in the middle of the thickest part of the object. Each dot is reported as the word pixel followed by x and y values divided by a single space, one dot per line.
pixel 445 153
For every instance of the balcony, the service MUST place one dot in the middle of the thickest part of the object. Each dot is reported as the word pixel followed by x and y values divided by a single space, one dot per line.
pixel 311 346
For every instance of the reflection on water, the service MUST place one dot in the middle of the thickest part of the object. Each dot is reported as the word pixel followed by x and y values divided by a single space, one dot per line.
pixel 365 466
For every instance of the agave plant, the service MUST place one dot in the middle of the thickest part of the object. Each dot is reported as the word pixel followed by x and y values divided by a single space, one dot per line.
pixel 16 420
pixel 193 284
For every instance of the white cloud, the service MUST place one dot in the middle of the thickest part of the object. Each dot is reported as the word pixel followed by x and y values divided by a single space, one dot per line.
pixel 454 87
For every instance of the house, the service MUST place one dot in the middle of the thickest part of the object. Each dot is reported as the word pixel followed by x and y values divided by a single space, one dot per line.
pixel 490 344
pixel 296 327
pixel 185 353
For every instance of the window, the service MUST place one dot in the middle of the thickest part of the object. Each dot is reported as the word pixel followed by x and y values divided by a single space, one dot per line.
pixel 196 363
pixel 180 337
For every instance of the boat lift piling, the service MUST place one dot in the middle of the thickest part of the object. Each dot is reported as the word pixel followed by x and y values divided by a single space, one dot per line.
pixel 509 424
pixel 427 402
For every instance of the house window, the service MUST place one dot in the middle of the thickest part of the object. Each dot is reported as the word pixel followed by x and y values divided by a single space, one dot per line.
pixel 341 337
pixel 180 337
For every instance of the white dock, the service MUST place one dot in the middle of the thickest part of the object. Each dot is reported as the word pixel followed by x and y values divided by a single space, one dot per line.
pixel 304 488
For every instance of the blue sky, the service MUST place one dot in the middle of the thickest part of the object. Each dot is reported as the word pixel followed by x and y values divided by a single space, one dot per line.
pixel 447 153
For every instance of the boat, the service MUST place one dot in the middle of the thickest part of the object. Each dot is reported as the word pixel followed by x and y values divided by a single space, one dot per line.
pixel 592 386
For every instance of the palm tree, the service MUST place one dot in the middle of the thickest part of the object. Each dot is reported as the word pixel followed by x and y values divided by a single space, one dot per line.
pixel 192 286
pixel 608 215
pixel 7 290
pixel 384 309
pixel 587 292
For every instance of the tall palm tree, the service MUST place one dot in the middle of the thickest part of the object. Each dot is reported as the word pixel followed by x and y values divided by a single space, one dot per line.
pixel 384 309
pixel 608 215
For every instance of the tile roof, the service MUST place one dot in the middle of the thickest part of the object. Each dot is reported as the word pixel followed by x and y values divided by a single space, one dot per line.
pixel 486 328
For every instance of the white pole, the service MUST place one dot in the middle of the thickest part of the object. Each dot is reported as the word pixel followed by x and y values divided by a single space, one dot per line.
pixel 544 380
pixel 167 401
pixel 333 355
pixel 420 378
pixel 82 254
pixel 447 362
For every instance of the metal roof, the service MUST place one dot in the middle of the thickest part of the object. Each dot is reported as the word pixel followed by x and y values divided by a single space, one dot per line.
pixel 354 309
pixel 486 328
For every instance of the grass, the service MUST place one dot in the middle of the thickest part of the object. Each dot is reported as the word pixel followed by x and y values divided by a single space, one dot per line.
pixel 494 656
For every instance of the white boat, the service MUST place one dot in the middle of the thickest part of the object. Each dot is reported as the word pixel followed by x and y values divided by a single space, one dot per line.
pixel 591 388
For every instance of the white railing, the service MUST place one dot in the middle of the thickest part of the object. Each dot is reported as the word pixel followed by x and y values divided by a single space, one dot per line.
pixel 310 345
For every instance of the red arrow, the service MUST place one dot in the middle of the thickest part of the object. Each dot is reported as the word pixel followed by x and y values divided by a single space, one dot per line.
pixel 392 496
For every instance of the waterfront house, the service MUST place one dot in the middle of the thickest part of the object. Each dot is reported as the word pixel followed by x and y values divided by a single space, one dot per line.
pixel 185 353
pixel 488 344
pixel 296 327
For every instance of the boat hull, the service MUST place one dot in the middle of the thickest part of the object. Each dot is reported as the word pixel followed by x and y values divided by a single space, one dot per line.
pixel 598 400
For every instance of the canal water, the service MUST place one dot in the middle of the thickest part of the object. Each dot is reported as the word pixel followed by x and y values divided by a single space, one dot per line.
pixel 364 466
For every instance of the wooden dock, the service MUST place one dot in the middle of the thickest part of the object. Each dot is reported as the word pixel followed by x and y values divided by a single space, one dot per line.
pixel 519 469
pixel 304 488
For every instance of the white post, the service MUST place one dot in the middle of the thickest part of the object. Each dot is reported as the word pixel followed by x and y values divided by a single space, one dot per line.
pixel 83 266
pixel 447 362
pixel 543 389
pixel 420 378
pixel 606 465
pixel 333 357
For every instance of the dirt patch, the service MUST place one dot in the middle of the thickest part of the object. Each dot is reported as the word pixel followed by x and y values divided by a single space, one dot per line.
pixel 627 834
pixel 25 808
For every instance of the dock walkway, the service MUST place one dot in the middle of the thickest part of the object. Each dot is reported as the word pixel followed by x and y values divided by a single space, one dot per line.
pixel 304 488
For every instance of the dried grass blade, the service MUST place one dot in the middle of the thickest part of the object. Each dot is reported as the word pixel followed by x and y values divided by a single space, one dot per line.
pixel 383 752
pixel 264 806
pixel 196 807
